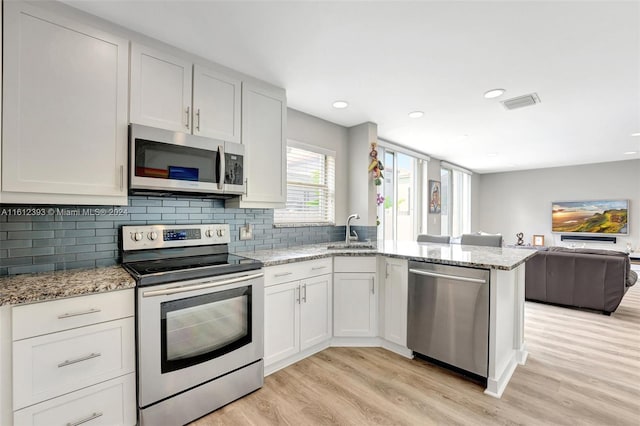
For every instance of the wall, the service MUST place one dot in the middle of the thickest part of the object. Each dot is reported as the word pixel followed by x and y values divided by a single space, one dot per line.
pixel 67 237
pixel 362 191
pixel 311 130
pixel 520 201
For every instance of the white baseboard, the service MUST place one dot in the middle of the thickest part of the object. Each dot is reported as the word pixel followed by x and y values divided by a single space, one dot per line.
pixel 395 348
pixel 272 368
pixel 495 388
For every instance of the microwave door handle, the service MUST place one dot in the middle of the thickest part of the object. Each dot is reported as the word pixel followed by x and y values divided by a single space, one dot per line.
pixel 221 169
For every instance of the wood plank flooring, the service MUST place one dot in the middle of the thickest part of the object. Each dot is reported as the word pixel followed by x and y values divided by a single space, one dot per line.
pixel 583 369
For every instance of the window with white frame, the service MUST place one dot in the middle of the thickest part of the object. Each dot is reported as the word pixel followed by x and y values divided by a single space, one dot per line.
pixel 456 201
pixel 310 186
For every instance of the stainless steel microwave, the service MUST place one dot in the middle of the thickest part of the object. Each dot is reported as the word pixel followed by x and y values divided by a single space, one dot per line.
pixel 165 162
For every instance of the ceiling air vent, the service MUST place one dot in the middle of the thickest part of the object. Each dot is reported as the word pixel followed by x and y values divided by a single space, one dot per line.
pixel 521 101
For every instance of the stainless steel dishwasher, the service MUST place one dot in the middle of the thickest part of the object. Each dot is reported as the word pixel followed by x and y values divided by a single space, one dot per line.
pixel 448 317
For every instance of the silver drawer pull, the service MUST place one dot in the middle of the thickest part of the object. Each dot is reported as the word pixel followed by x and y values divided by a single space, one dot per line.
pixel 315 268
pixel 283 274
pixel 88 419
pixel 76 314
pixel 77 360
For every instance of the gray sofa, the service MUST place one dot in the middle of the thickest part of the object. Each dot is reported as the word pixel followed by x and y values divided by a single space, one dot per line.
pixel 583 278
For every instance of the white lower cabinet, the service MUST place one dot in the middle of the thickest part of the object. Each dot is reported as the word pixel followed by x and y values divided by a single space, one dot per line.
pixel 103 404
pixel 281 322
pixel 355 297
pixel 298 314
pixel 78 375
pixel 395 300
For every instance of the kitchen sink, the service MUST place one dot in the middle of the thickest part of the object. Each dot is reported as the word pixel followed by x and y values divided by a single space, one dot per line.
pixel 352 246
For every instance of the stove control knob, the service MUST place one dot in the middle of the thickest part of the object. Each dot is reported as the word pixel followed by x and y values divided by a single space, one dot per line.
pixel 136 236
pixel 152 236
pixel 209 233
pixel 220 232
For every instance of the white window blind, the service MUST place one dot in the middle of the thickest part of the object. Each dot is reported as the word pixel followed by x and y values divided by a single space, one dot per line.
pixel 310 186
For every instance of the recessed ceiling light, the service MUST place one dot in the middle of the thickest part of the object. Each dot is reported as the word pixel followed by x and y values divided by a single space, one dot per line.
pixel 340 104
pixel 416 114
pixel 635 134
pixel 630 152
pixel 492 154
pixel 494 93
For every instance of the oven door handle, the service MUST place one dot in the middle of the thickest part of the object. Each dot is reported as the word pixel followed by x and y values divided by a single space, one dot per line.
pixel 208 284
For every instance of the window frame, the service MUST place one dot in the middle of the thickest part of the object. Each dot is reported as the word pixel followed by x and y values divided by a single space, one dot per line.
pixel 330 191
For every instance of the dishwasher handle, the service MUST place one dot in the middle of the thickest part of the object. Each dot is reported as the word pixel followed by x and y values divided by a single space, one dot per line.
pixel 447 276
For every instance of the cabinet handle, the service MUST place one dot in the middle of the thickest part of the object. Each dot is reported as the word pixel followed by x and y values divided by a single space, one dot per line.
pixel 121 178
pixel 246 186
pixel 77 360
pixel 75 314
pixel 198 119
pixel 188 115
pixel 86 419
pixel 373 286
pixel 297 291
pixel 304 293
pixel 283 274
pixel 318 267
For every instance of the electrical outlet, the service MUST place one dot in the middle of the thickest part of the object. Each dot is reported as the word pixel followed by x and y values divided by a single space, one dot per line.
pixel 246 232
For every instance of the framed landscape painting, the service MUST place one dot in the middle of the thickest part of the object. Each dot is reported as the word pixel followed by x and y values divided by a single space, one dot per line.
pixel 591 217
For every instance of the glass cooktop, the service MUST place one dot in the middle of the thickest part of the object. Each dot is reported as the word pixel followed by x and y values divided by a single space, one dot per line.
pixel 157 271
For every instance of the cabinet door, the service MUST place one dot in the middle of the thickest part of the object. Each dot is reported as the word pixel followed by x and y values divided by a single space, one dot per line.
pixel 263 134
pixel 160 89
pixel 315 311
pixel 395 301
pixel 354 301
pixel 281 321
pixel 109 403
pixel 48 366
pixel 216 105
pixel 66 129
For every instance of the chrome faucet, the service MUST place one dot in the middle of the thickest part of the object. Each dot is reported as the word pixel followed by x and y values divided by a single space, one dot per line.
pixel 349 237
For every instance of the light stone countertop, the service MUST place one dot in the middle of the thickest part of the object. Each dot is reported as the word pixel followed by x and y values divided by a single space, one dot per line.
pixel 447 254
pixel 55 285
pixel 46 286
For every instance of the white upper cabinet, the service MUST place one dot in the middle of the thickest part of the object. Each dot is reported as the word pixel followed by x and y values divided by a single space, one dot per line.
pixel 64 134
pixel 264 114
pixel 162 86
pixel 216 105
pixel 160 89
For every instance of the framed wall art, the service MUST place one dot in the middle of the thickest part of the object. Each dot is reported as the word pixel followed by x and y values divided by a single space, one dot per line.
pixel 434 196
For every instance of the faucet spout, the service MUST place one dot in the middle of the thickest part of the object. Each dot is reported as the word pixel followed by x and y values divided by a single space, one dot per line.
pixel 349 219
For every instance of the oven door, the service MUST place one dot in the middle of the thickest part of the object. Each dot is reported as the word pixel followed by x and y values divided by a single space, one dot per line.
pixel 194 331
pixel 163 160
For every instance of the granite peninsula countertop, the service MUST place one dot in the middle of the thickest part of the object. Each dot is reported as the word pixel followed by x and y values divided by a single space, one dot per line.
pixel 502 258
pixel 46 286
pixel 77 282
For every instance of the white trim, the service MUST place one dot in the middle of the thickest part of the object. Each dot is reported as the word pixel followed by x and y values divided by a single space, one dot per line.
pixel 447 165
pixel 313 148
pixel 399 148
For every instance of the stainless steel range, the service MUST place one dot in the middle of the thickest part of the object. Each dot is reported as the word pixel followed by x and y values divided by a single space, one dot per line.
pixel 199 320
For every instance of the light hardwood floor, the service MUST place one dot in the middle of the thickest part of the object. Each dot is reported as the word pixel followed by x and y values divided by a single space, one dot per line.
pixel 583 369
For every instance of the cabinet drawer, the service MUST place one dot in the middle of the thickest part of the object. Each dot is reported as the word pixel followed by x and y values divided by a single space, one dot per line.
pixel 297 271
pixel 354 264
pixel 109 403
pixel 48 317
pixel 48 366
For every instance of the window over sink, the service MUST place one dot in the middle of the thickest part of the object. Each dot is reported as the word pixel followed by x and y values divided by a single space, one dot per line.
pixel 310 186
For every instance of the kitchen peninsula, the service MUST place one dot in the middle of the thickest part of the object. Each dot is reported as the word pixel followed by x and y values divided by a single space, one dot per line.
pixel 506 347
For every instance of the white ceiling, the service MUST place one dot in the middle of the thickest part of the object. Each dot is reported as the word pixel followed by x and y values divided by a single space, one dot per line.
pixel 389 58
